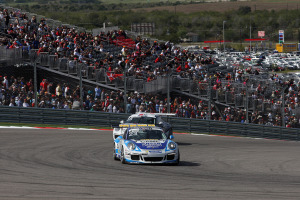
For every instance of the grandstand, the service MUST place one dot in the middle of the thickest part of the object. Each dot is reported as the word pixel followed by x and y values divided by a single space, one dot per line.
pixel 139 72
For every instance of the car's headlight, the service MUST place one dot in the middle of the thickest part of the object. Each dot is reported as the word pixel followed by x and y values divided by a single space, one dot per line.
pixel 117 129
pixel 131 146
pixel 172 145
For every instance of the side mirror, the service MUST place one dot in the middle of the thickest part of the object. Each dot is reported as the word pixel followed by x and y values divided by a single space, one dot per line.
pixel 171 137
pixel 122 122
pixel 160 124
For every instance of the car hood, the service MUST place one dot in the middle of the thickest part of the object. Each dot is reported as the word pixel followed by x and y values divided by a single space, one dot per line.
pixel 152 144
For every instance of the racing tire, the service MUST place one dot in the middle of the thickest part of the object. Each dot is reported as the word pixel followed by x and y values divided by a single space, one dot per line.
pixel 178 160
pixel 122 158
pixel 114 154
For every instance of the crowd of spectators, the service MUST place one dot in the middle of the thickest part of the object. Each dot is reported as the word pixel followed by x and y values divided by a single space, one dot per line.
pixel 145 60
pixel 16 91
pixel 93 50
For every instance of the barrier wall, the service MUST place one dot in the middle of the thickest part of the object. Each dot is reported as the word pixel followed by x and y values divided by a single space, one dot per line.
pixel 104 119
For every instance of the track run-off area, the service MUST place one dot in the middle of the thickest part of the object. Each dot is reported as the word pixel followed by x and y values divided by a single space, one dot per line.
pixel 66 164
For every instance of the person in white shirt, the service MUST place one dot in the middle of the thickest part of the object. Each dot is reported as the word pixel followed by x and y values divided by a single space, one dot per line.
pixel 97 92
pixel 66 106
pixel 25 104
pixel 5 82
pixel 137 107
pixel 1 16
pixel 115 109
pixel 110 108
pixel 123 51
pixel 12 103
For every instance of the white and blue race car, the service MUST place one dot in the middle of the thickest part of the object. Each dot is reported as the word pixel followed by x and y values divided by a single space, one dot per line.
pixel 146 145
pixel 144 118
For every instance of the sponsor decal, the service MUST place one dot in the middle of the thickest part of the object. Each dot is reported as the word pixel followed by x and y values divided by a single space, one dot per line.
pixel 154 151
pixel 151 144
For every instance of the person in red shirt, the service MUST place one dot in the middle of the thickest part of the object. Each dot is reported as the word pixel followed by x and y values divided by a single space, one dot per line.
pixel 29 83
pixel 158 59
pixel 43 85
pixel 193 114
pixel 179 69
pixel 186 66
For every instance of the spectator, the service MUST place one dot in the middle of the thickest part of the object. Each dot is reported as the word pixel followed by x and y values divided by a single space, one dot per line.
pixel 97 92
pixel 58 91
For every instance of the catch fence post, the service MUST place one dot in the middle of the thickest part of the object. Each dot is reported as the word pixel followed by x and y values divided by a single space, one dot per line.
pixel 80 85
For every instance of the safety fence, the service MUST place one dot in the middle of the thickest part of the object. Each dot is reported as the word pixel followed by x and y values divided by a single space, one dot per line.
pixel 104 119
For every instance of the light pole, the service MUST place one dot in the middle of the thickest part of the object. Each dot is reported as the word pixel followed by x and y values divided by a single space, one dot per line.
pixel 250 34
pixel 35 85
pixel 168 91
pixel 224 35
pixel 125 89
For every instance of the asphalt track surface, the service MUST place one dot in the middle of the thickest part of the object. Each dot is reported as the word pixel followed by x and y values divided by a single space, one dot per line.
pixel 72 164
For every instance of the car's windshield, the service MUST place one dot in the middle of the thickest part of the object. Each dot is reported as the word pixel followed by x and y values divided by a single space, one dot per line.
pixel 143 134
pixel 141 120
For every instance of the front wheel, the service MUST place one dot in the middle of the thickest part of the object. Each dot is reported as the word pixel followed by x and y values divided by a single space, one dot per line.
pixel 178 160
pixel 122 157
pixel 114 154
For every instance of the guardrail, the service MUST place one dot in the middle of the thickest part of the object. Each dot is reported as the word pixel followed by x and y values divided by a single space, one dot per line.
pixel 104 119
pixel 59 117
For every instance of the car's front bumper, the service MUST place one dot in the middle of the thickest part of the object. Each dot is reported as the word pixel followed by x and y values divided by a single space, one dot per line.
pixel 152 157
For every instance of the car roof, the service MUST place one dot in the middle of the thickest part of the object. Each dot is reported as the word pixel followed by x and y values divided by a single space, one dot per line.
pixel 141 114
pixel 137 125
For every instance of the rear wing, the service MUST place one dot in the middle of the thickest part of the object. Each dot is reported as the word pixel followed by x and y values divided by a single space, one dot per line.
pixel 160 114
pixel 135 125
pixel 132 125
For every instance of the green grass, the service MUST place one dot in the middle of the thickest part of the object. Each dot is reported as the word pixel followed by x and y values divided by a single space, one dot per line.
pixel 50 125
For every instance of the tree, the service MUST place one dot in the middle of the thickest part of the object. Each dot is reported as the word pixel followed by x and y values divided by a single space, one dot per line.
pixel 244 10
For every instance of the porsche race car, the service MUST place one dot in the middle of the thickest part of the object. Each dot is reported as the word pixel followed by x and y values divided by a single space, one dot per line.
pixel 146 145
pixel 144 118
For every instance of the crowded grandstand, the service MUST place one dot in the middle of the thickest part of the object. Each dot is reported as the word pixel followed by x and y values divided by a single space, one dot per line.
pixel 122 73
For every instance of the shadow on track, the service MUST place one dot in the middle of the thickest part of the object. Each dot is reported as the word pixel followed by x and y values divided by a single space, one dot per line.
pixel 183 144
pixel 188 164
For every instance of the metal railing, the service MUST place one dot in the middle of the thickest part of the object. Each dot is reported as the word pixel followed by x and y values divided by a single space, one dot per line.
pixel 104 119
pixel 11 56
